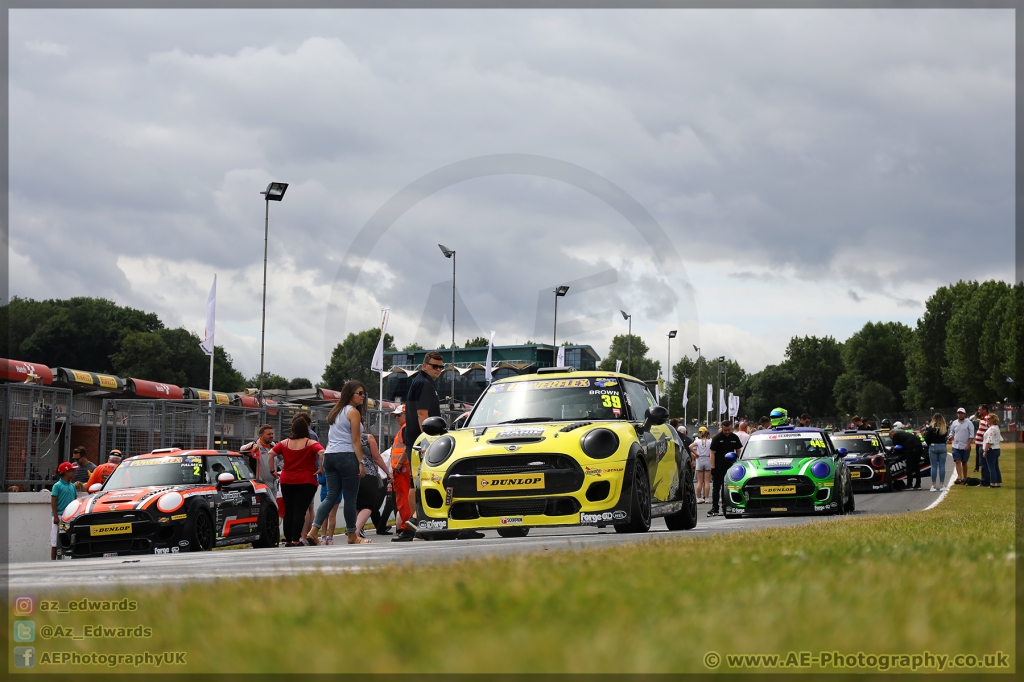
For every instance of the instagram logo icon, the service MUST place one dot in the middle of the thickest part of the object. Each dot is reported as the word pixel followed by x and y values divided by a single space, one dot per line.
pixel 24 606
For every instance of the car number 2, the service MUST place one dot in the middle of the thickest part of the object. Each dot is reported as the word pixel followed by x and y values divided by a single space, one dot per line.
pixel 611 401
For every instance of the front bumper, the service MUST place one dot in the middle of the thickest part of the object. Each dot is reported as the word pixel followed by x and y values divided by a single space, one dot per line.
pixel 573 495
pixel 865 478
pixel 148 535
pixel 741 501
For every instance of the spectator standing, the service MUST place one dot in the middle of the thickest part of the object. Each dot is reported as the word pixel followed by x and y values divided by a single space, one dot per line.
pixel 961 433
pixel 421 402
pixel 341 466
pixel 386 507
pixel 764 423
pixel 370 495
pixel 742 433
pixel 912 449
pixel 101 473
pixel 991 452
pixel 724 442
pixel 804 421
pixel 701 450
pixel 979 442
pixel 85 466
pixel 935 434
pixel 259 451
pixel 302 459
pixel 61 495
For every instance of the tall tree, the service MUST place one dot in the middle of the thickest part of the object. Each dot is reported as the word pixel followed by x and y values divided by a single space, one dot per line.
pixel 622 348
pixel 971 338
pixel 1011 347
pixel 877 353
pixel 478 342
pixel 814 365
pixel 351 360
pixel 735 375
pixel 926 351
pixel 772 387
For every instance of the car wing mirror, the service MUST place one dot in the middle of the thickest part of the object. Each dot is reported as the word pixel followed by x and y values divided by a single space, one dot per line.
pixel 654 416
pixel 225 478
pixel 842 452
pixel 434 426
pixel 95 487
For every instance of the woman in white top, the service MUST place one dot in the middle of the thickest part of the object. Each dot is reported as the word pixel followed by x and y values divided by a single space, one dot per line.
pixel 340 465
pixel 701 449
pixel 991 442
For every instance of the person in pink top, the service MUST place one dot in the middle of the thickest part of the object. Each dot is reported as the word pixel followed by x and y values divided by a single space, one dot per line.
pixel 302 458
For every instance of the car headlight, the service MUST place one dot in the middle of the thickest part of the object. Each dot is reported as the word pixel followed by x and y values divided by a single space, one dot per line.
pixel 440 450
pixel 71 511
pixel 169 502
pixel 599 443
pixel 737 472
pixel 821 469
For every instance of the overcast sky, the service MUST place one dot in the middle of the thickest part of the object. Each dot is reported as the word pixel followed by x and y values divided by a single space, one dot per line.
pixel 812 170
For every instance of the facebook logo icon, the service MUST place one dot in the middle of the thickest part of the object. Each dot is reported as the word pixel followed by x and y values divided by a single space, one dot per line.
pixel 24 656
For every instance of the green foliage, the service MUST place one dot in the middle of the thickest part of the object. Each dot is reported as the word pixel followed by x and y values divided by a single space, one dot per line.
pixel 271 382
pixel 97 335
pixel 299 383
pixel 972 338
pixel 1011 347
pixel 413 346
pixel 877 353
pixel 640 366
pixel 874 398
pixel 351 360
pixel 814 365
pixel 478 342
pixel 736 377
pixel 772 387
pixel 926 351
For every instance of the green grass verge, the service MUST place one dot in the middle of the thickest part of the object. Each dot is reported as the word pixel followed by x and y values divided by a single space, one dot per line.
pixel 939 581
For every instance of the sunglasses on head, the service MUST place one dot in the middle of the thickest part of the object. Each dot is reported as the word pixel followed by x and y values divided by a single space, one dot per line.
pixel 437 366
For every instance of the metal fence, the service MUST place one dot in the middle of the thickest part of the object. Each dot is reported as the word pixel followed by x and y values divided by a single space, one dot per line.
pixel 34 435
pixel 138 426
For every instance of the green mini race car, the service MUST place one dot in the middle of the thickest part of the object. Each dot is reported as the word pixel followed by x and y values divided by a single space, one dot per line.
pixel 786 471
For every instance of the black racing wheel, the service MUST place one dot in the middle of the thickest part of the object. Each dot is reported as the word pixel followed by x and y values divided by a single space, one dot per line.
pixel 685 518
pixel 640 505
pixel 202 532
pixel 513 532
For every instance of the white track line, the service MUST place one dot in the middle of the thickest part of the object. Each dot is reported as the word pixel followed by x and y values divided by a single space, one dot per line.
pixel 942 495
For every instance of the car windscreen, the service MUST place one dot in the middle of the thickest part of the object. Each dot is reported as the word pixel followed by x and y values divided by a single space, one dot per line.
pixel 135 473
pixel 859 444
pixel 784 445
pixel 549 400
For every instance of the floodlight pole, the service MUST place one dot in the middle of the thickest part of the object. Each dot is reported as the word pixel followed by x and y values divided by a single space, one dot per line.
pixel 697 350
pixel 263 316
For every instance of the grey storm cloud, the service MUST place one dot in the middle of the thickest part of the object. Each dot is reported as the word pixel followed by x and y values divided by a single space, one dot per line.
pixel 792 147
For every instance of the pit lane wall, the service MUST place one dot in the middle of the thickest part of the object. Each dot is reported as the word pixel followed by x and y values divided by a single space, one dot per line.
pixel 28 520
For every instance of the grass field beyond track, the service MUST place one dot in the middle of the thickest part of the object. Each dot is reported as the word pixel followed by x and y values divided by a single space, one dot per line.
pixel 940 581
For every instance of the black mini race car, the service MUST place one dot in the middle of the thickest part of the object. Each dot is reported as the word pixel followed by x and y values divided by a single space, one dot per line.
pixel 171 501
pixel 869 462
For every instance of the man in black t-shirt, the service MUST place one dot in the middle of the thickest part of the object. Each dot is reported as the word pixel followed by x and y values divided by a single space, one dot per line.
pixel 420 402
pixel 724 442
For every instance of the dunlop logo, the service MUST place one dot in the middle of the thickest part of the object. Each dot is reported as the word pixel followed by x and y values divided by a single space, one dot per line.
pixel 513 482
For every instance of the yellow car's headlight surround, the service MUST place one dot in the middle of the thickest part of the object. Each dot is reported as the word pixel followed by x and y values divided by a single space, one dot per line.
pixel 440 450
pixel 599 443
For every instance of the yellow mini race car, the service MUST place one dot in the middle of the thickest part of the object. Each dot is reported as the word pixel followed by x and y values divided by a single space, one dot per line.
pixel 556 448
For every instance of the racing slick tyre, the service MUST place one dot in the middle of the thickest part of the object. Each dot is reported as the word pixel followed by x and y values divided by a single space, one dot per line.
pixel 270 531
pixel 837 494
pixel 888 483
pixel 513 532
pixel 852 506
pixel 686 518
pixel 202 532
pixel 640 504
pixel 435 535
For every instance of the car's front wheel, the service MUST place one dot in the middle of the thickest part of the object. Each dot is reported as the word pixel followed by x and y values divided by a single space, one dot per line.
pixel 852 506
pixel 202 532
pixel 837 495
pixel 640 505
pixel 514 532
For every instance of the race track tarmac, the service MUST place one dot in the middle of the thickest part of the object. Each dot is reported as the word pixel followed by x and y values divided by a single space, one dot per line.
pixel 251 563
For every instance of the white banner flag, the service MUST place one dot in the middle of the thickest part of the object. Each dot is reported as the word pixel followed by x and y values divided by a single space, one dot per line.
pixel 487 366
pixel 721 401
pixel 657 388
pixel 618 365
pixel 686 390
pixel 560 360
pixel 711 396
pixel 377 365
pixel 734 406
pixel 211 319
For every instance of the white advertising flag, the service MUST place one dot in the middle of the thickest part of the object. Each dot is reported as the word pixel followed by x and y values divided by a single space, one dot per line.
pixel 211 317
pixel 618 365
pixel 721 401
pixel 734 405
pixel 377 365
pixel 711 396
pixel 686 390
pixel 560 362
pixel 487 366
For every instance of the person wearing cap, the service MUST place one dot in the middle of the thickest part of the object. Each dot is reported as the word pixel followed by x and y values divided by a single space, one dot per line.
pixel 402 480
pixel 961 433
pixel 101 473
pixel 700 449
pixel 85 466
pixel 61 495
pixel 912 451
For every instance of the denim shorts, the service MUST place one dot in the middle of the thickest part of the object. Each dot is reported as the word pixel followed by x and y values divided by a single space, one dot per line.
pixel 961 455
